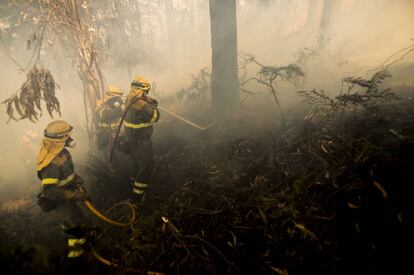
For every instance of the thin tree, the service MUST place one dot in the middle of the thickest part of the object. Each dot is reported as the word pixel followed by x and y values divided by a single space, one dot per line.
pixel 224 78
pixel 329 14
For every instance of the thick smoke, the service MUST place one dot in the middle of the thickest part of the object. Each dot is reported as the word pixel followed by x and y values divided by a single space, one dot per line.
pixel 177 39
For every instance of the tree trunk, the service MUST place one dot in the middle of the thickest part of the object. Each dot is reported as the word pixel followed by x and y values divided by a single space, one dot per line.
pixel 329 14
pixel 312 17
pixel 224 76
pixel 171 25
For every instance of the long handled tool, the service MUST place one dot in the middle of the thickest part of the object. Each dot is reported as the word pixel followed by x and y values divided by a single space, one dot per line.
pixel 115 140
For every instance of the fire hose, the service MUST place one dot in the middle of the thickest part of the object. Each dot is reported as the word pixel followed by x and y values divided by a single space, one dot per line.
pixel 101 216
pixel 135 99
pixel 186 120
pixel 118 129
pixel 108 220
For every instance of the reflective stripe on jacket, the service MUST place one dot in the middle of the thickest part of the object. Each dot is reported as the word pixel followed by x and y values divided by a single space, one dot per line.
pixel 59 173
pixel 142 118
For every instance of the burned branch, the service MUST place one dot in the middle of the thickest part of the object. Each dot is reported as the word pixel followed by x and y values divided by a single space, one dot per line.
pixel 267 76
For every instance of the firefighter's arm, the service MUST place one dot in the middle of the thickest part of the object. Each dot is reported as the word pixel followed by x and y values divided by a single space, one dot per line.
pixel 139 104
pixel 150 110
pixel 50 189
pixel 155 115
pixel 49 177
pixel 152 102
pixel 76 194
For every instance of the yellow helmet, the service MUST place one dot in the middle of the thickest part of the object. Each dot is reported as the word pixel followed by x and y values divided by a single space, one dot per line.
pixel 32 134
pixel 55 136
pixel 58 131
pixel 114 91
pixel 140 83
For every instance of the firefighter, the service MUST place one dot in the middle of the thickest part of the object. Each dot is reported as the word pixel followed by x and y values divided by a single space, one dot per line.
pixel 29 141
pixel 29 146
pixel 60 192
pixel 109 112
pixel 138 125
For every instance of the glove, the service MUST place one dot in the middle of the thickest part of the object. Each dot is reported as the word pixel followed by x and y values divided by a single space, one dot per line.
pixel 45 204
pixel 79 181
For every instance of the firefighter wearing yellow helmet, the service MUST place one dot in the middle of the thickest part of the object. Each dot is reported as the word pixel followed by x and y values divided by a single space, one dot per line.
pixel 109 112
pixel 59 183
pixel 138 126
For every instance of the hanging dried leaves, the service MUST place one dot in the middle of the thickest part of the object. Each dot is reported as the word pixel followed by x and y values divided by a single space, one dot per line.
pixel 39 86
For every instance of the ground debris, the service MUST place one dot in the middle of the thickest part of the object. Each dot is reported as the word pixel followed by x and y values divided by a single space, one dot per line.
pixel 314 197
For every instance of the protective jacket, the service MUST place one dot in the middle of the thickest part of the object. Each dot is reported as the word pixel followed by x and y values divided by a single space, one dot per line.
pixel 140 119
pixel 108 119
pixel 58 176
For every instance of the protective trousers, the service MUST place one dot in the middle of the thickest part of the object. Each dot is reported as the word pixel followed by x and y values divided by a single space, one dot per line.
pixel 73 226
pixel 103 139
pixel 142 155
